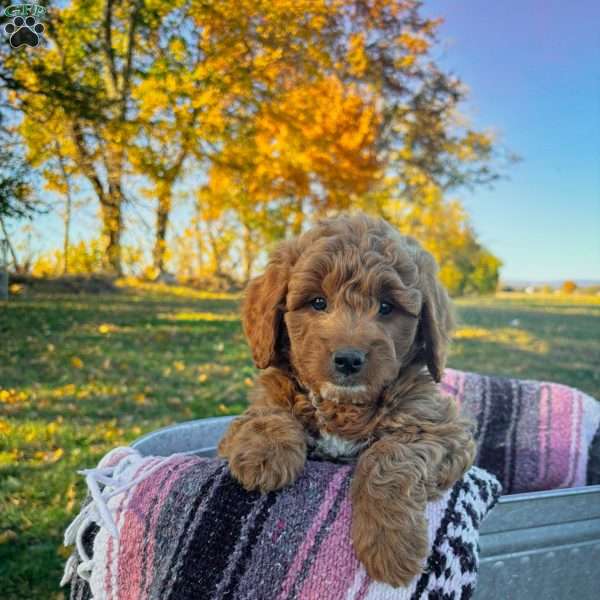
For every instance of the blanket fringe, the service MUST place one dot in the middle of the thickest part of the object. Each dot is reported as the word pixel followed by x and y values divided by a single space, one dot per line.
pixel 104 483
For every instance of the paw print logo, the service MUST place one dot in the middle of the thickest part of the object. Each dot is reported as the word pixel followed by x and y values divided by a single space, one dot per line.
pixel 24 31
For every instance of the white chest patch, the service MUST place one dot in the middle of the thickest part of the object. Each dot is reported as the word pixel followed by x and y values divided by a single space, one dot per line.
pixel 333 446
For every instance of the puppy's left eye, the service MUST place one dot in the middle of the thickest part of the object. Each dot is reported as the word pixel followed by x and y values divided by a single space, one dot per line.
pixel 385 308
pixel 319 303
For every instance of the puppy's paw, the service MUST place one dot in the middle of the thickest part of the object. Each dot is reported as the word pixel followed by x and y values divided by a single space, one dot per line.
pixel 266 466
pixel 392 556
pixel 267 453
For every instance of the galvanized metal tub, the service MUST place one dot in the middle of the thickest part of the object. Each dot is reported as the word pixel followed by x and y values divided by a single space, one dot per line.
pixel 539 545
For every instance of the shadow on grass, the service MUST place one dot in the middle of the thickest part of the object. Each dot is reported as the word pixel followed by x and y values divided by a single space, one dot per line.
pixel 530 343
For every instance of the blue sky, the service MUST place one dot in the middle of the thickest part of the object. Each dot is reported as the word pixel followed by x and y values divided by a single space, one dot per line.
pixel 533 71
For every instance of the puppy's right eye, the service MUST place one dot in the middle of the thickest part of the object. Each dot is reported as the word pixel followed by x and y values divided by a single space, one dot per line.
pixel 319 303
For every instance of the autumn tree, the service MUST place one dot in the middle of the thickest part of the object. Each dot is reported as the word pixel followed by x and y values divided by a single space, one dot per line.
pixel 443 227
pixel 291 110
pixel 301 108
pixel 375 124
pixel 77 91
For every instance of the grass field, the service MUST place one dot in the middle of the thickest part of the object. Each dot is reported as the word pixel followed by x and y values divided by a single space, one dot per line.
pixel 82 374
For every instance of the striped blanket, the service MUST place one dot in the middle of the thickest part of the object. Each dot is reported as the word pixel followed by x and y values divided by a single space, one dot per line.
pixel 531 435
pixel 185 530
pixel 179 527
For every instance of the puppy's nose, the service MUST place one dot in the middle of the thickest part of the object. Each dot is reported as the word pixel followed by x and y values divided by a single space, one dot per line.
pixel 348 361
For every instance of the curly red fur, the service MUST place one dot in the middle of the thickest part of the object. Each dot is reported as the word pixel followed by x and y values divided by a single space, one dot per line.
pixel 415 443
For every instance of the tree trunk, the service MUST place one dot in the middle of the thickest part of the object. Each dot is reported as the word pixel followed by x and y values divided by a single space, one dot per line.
pixel 298 218
pixel 110 201
pixel 66 240
pixel 3 270
pixel 4 246
pixel 199 245
pixel 162 222
pixel 9 246
pixel 112 223
pixel 217 259
pixel 248 254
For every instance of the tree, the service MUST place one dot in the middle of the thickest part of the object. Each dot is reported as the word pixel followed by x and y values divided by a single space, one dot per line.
pixel 569 286
pixel 365 120
pixel 16 178
pixel 443 227
pixel 291 109
pixel 17 200
pixel 80 88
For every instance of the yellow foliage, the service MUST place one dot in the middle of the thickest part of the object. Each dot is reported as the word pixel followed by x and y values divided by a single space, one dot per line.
pixel 357 57
pixel 406 61
pixel 85 258
pixel 414 44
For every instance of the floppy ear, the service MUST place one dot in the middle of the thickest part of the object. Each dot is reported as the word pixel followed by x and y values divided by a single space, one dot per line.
pixel 263 307
pixel 437 317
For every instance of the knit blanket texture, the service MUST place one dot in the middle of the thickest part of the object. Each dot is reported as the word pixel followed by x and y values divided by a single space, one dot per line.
pixel 532 435
pixel 188 531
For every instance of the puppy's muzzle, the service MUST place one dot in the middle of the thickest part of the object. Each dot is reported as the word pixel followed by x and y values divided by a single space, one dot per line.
pixel 348 361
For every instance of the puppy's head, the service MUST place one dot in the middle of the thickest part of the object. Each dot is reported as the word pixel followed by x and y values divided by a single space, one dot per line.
pixel 347 306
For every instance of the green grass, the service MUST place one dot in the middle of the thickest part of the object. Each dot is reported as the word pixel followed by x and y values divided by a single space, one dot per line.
pixel 82 374
pixel 555 338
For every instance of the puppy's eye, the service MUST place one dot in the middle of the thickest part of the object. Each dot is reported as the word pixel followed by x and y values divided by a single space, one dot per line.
pixel 385 308
pixel 319 303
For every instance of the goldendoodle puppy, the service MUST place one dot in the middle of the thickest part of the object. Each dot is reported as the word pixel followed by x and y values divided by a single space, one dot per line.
pixel 352 327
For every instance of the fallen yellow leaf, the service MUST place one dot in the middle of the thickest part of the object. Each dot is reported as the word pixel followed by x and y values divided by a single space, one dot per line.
pixel 140 399
pixel 77 362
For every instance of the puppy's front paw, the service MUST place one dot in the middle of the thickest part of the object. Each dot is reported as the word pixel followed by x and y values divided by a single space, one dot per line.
pixel 267 453
pixel 389 554
pixel 265 466
pixel 389 529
